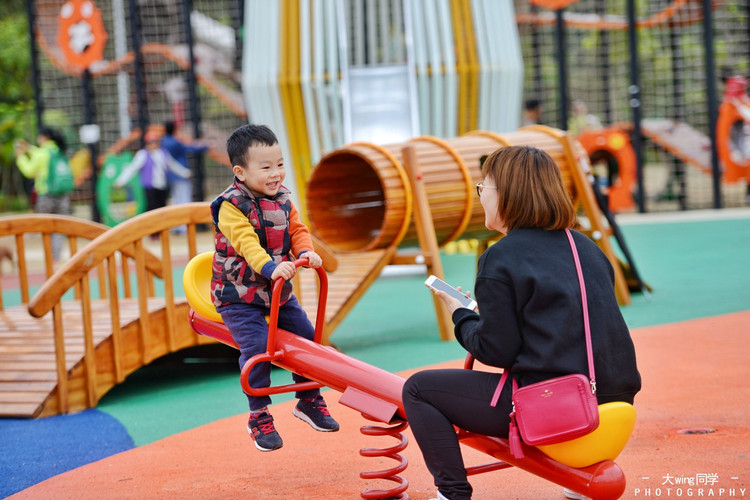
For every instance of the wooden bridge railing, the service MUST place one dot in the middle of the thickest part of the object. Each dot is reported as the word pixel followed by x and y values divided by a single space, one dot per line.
pixel 23 227
pixel 147 338
pixel 72 229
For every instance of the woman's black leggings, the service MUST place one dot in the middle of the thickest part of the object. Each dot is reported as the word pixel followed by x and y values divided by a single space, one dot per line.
pixel 435 401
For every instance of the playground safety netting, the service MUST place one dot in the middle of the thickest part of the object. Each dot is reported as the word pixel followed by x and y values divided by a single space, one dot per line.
pixel 122 101
pixel 672 77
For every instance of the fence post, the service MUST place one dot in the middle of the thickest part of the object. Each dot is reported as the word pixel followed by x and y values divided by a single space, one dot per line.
pixel 140 82
pixel 195 109
pixel 562 69
pixel 35 76
pixel 635 102
pixel 711 98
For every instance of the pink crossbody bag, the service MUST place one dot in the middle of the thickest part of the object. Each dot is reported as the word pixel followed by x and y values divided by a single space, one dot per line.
pixel 558 409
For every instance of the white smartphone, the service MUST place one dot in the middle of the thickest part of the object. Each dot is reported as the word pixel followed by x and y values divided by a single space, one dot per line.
pixel 437 284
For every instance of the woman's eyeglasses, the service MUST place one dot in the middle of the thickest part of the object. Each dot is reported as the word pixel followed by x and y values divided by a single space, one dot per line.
pixel 481 187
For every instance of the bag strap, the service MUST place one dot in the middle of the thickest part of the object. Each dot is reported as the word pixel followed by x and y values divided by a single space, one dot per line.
pixel 499 387
pixel 586 327
pixel 585 307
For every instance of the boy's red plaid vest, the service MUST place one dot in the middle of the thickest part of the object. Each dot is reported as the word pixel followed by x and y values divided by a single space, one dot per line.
pixel 234 281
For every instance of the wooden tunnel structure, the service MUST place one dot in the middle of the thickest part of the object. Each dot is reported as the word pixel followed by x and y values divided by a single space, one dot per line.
pixel 364 196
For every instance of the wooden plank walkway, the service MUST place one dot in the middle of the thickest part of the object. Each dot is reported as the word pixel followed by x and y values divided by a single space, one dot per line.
pixel 28 373
pixel 60 354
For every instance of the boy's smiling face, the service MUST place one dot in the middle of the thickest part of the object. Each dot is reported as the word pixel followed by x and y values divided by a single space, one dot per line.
pixel 264 171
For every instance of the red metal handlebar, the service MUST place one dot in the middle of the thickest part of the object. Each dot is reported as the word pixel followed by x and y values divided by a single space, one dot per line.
pixel 271 353
pixel 469 362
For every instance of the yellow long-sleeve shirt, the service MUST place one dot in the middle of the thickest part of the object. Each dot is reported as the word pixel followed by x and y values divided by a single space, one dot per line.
pixel 242 236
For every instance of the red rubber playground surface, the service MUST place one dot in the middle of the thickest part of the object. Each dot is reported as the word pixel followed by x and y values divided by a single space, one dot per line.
pixel 695 379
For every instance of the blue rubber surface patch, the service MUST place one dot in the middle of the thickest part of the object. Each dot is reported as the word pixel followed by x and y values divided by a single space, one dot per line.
pixel 32 450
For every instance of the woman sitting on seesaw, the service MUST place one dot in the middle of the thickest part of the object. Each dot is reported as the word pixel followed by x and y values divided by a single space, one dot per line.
pixel 529 321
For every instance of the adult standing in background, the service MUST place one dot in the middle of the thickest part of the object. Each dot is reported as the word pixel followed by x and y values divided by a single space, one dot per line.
pixel 34 163
pixel 181 190
pixel 582 120
pixel 532 112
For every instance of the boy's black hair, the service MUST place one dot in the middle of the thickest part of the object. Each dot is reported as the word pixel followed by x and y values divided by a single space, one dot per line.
pixel 56 137
pixel 246 137
pixel 169 127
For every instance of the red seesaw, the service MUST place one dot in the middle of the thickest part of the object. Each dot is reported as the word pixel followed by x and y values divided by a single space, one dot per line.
pixel 376 394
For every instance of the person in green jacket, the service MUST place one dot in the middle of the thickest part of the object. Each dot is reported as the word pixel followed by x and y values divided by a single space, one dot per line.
pixel 34 162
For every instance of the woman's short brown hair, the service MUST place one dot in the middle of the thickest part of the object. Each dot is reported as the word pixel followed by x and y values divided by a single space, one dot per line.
pixel 530 189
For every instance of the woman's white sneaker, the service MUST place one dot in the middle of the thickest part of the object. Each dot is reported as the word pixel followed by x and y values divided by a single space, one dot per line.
pixel 574 495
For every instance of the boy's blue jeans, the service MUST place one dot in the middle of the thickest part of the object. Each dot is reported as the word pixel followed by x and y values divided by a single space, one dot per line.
pixel 250 330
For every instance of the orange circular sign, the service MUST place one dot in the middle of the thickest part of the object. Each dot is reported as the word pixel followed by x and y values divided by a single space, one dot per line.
pixel 552 4
pixel 81 35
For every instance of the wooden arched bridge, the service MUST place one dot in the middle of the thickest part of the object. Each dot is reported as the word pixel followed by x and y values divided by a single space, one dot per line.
pixel 117 303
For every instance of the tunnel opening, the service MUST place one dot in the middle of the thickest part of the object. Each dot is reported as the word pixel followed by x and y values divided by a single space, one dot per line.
pixel 346 202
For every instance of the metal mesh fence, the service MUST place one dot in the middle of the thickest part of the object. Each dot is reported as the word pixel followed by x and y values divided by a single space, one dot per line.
pixel 671 52
pixel 672 76
pixel 163 40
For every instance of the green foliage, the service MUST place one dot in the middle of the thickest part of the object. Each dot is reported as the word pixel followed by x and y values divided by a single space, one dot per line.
pixel 17 119
pixel 15 58
pixel 14 203
pixel 9 7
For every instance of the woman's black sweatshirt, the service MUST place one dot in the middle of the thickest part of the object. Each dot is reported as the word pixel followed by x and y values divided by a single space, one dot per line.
pixel 531 319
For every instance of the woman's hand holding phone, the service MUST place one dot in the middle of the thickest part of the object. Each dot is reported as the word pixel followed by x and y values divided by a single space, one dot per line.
pixel 453 298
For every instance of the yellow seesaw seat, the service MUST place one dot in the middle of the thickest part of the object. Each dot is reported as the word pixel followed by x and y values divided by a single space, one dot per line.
pixel 616 423
pixel 196 280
